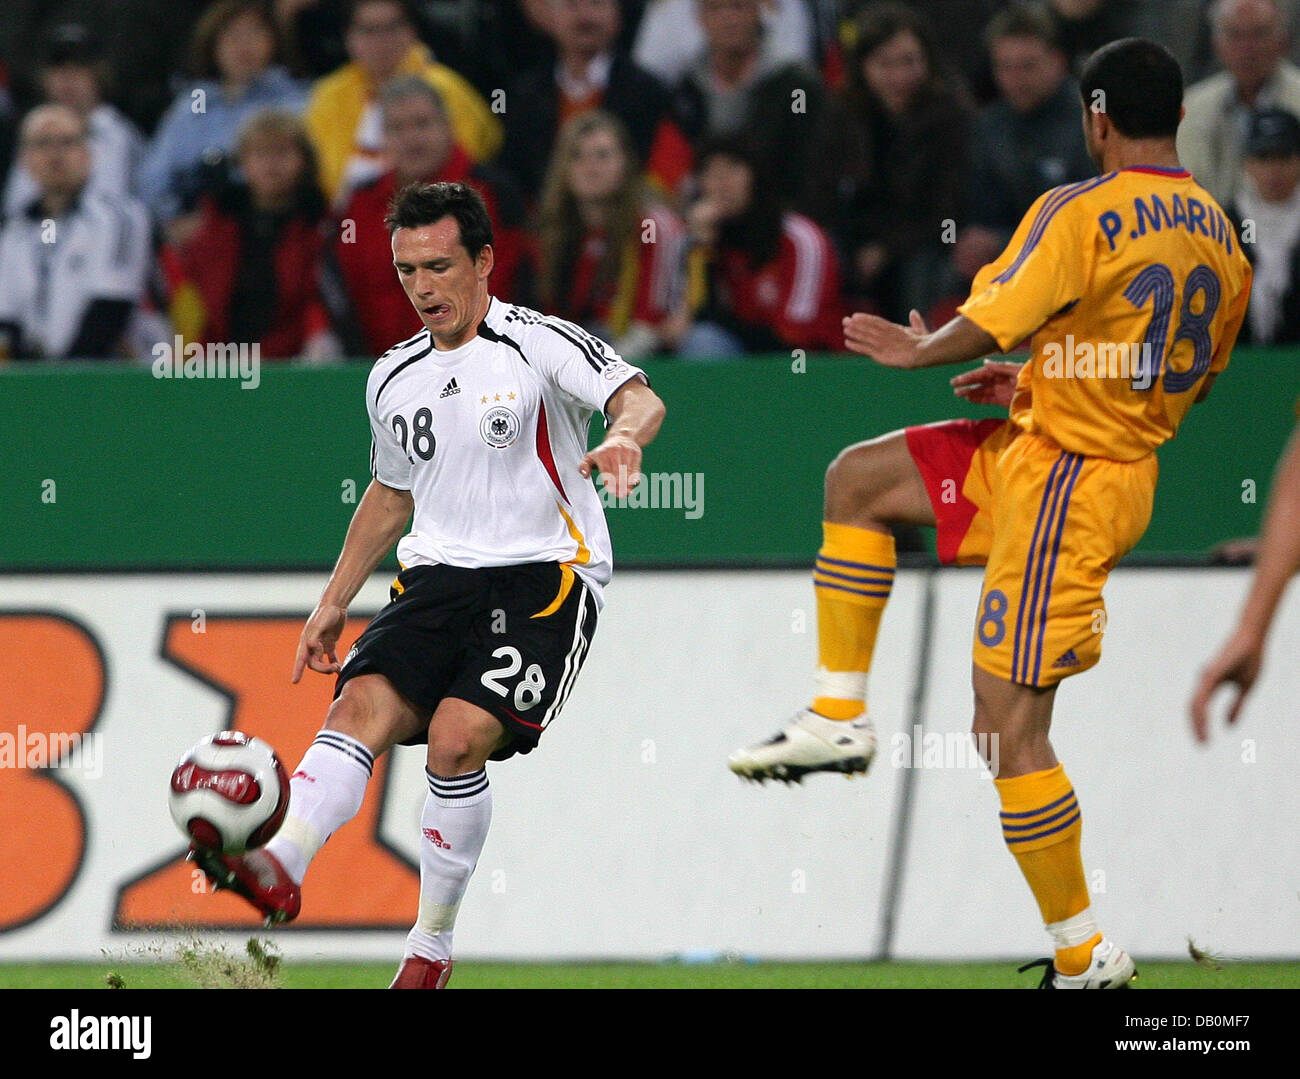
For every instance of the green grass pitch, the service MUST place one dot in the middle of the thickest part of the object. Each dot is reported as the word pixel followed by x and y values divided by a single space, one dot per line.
pixel 217 970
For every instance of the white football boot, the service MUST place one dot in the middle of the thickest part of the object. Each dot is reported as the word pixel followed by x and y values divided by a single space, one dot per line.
pixel 1111 968
pixel 810 743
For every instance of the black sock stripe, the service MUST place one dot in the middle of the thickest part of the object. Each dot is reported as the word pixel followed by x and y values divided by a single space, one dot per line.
pixel 348 748
pixel 457 786
pixel 342 741
pixel 436 780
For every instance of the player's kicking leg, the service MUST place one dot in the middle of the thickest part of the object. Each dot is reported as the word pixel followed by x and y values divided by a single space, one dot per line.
pixel 1042 826
pixel 870 487
pixel 453 827
pixel 367 719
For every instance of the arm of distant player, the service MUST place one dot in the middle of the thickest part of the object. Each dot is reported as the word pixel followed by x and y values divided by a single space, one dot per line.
pixel 636 414
pixel 381 517
pixel 1241 656
pixel 892 345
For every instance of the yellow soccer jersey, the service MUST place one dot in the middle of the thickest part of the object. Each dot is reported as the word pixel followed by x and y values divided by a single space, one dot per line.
pixel 1133 287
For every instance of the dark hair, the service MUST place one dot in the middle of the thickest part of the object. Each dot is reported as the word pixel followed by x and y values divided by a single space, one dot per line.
pixel 213 23
pixel 73 44
pixel 757 230
pixel 879 24
pixel 1023 20
pixel 417 205
pixel 409 14
pixel 1138 84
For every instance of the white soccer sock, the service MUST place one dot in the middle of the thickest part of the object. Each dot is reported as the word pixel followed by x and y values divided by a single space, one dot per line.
pixel 1073 931
pixel 454 825
pixel 325 793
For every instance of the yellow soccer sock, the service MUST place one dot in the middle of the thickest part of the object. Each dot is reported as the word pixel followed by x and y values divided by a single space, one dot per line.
pixel 852 578
pixel 1042 828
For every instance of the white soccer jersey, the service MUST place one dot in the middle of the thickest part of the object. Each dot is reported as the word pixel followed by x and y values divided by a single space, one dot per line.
pixel 51 271
pixel 487 437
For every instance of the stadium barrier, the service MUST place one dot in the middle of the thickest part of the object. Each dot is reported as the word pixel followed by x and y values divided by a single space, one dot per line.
pixel 113 468
pixel 624 835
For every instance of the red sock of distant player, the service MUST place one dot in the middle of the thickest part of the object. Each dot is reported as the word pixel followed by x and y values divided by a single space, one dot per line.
pixel 325 792
pixel 454 825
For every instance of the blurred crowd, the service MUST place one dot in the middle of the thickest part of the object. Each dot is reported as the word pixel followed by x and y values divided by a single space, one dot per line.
pixel 692 178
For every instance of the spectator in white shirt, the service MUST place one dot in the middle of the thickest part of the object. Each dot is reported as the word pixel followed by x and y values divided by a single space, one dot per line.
pixel 1250 39
pixel 74 73
pixel 669 38
pixel 1267 214
pixel 73 262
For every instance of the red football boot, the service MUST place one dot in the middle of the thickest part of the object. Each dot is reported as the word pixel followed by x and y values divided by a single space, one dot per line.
pixel 417 973
pixel 257 876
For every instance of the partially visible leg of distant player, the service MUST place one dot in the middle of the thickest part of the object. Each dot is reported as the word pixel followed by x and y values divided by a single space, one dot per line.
pixel 1041 821
pixel 368 718
pixel 454 824
pixel 869 487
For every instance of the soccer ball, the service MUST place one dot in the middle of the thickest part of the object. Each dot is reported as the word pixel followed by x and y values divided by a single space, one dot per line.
pixel 229 793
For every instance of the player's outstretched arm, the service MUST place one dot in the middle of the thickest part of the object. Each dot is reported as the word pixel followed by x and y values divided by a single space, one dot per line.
pixel 380 518
pixel 1240 658
pixel 636 414
pixel 892 345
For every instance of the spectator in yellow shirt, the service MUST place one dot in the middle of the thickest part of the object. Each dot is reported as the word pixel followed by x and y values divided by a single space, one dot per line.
pixel 343 112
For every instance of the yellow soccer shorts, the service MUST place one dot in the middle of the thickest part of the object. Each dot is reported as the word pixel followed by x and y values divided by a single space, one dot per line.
pixel 1047 525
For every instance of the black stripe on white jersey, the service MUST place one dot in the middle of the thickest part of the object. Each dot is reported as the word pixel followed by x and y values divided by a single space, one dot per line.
pixel 488 333
pixel 400 367
pixel 400 344
pixel 523 314
pixel 592 348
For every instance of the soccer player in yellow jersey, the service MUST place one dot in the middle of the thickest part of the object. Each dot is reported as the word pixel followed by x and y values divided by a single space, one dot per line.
pixel 1131 288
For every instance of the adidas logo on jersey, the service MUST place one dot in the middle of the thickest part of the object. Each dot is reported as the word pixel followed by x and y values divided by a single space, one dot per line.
pixel 449 390
pixel 1067 660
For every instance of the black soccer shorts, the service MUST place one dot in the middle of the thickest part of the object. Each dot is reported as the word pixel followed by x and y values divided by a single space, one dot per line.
pixel 509 639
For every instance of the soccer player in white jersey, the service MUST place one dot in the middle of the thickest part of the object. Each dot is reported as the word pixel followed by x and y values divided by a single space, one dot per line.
pixel 479 432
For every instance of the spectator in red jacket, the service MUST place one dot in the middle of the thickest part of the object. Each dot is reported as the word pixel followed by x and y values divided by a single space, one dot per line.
pixel 761 278
pixel 419 147
pixel 250 272
pixel 611 254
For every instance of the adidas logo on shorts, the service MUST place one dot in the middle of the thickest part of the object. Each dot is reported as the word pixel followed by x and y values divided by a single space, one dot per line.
pixel 449 390
pixel 1067 660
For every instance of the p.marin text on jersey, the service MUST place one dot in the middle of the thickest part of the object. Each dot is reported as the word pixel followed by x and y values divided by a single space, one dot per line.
pixel 1150 214
pixel 77 1031
pixel 661 491
pixel 215 359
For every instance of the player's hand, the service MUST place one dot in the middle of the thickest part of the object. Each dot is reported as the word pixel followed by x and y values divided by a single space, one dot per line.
pixel 618 459
pixel 319 638
pixel 992 384
pixel 1238 662
pixel 888 343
